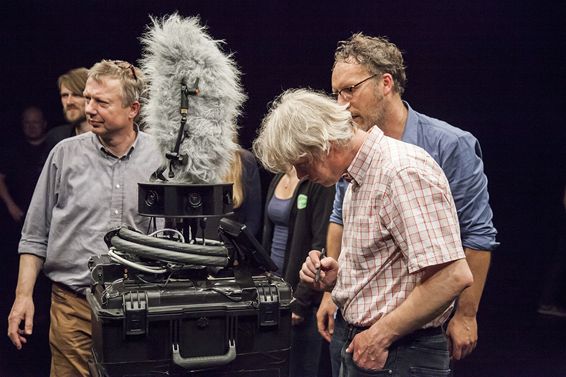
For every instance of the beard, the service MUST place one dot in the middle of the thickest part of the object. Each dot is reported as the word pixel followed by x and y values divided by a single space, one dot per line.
pixel 74 116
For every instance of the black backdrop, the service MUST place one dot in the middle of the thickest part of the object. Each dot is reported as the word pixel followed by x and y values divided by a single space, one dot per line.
pixel 495 68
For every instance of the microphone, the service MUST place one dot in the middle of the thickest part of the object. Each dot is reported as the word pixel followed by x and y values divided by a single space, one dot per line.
pixel 177 53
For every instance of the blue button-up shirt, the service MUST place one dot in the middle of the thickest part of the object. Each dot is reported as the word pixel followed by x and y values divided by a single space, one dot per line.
pixel 459 155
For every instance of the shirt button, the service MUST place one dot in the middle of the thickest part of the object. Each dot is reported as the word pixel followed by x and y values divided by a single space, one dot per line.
pixel 115 211
pixel 118 185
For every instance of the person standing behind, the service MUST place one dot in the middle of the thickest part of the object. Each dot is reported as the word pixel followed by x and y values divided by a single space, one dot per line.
pixel 21 164
pixel 402 263
pixel 293 227
pixel 369 76
pixel 87 187
pixel 71 86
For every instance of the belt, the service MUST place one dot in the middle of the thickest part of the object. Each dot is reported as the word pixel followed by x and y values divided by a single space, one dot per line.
pixel 68 289
pixel 429 331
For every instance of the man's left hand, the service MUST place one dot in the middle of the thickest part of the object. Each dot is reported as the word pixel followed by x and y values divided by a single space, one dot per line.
pixel 367 352
pixel 463 333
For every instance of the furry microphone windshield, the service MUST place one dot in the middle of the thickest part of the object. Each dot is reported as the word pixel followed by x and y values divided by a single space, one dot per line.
pixel 178 51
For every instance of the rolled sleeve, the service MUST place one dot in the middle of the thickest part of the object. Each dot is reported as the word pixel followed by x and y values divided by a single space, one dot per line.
pixel 463 166
pixel 35 231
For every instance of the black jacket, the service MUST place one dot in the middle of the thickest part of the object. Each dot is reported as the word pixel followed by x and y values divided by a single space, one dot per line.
pixel 308 224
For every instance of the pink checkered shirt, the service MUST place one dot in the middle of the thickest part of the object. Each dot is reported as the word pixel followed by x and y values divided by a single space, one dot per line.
pixel 399 217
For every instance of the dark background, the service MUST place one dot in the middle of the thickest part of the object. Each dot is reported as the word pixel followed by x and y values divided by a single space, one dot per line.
pixel 494 68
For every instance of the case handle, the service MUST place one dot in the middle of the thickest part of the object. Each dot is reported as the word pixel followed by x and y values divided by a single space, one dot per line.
pixel 205 361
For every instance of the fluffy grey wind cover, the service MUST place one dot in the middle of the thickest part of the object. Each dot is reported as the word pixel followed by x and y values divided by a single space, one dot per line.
pixel 174 48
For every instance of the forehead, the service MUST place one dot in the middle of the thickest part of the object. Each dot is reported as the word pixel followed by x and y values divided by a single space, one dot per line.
pixel 104 87
pixel 65 89
pixel 346 73
pixel 32 114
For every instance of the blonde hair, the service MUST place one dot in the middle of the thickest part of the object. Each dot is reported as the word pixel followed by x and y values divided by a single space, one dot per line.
pixel 300 124
pixel 130 77
pixel 235 176
pixel 75 80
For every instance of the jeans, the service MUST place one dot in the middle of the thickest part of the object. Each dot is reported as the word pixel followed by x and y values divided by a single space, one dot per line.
pixel 423 353
pixel 306 345
pixel 337 342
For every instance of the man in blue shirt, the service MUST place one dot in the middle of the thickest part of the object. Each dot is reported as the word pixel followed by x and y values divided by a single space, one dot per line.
pixel 369 76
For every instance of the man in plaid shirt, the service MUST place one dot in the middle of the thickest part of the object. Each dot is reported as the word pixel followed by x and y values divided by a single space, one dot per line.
pixel 402 263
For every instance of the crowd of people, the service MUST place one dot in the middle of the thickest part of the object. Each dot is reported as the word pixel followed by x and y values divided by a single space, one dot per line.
pixel 378 216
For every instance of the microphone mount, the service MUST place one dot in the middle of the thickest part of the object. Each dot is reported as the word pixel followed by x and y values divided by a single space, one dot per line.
pixel 175 158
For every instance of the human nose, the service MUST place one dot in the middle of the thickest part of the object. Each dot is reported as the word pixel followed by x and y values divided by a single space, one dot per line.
pixel 90 108
pixel 342 100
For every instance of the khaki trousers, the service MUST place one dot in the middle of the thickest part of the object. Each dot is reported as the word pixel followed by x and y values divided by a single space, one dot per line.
pixel 69 333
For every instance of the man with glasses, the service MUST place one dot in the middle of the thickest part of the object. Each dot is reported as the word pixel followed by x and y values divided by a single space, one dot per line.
pixel 369 76
pixel 88 186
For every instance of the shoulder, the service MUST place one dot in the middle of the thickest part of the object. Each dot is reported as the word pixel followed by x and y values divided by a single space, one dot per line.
pixel 248 159
pixel 74 142
pixel 438 132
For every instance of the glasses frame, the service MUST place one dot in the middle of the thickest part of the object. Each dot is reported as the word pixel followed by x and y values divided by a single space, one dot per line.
pixel 125 65
pixel 350 89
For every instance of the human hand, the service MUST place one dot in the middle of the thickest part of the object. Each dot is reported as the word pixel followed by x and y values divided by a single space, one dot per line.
pixel 367 352
pixel 463 333
pixel 16 213
pixel 296 319
pixel 327 275
pixel 325 316
pixel 22 310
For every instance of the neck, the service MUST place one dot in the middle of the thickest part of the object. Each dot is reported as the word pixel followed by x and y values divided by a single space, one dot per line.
pixel 120 144
pixel 351 149
pixel 395 118
pixel 82 127
pixel 36 141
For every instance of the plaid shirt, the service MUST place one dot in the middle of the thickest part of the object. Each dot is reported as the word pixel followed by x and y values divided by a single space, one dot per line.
pixel 399 218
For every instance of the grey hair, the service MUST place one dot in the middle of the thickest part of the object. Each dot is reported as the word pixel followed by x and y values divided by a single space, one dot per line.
pixel 377 54
pixel 130 77
pixel 301 124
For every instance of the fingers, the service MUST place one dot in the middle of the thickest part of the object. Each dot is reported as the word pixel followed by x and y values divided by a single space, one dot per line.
pixel 331 324
pixel 16 334
pixel 321 320
pixel 308 269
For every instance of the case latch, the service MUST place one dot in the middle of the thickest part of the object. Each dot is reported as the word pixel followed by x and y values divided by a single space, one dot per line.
pixel 135 313
pixel 268 297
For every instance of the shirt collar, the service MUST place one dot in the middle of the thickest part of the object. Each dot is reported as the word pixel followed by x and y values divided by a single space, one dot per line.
pixel 410 132
pixel 104 150
pixel 361 163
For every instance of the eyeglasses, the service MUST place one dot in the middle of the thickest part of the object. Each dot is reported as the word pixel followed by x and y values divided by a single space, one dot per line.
pixel 125 65
pixel 348 93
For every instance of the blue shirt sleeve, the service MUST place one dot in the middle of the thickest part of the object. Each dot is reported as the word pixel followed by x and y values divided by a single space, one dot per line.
pixel 462 163
pixel 336 215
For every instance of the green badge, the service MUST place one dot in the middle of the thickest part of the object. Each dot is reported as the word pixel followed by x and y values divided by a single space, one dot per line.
pixel 302 201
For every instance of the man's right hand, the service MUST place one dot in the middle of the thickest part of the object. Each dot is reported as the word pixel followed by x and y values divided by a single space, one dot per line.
pixel 327 271
pixel 325 316
pixel 22 311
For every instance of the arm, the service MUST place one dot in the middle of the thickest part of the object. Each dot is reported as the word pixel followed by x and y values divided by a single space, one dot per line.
pixel 439 286
pixel 464 169
pixel 319 206
pixel 23 308
pixel 463 327
pixel 15 211
pixel 327 308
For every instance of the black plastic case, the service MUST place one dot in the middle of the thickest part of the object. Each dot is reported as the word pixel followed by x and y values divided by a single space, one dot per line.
pixel 211 327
